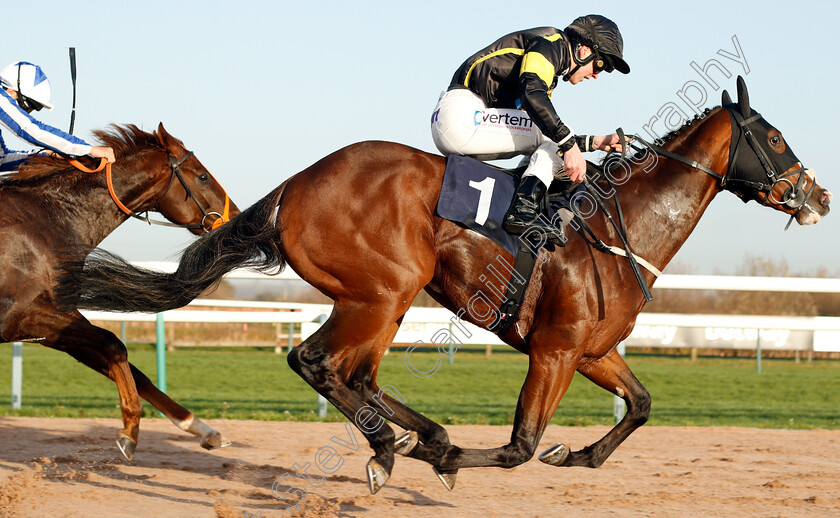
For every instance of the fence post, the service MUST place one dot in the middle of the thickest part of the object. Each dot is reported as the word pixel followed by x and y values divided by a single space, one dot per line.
pixel 758 352
pixel 278 331
pixel 292 335
pixel 17 374
pixel 619 407
pixel 160 346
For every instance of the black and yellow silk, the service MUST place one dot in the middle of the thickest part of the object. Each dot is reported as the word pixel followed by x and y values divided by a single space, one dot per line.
pixel 520 70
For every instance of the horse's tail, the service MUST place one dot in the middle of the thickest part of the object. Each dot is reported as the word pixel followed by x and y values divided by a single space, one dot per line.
pixel 105 281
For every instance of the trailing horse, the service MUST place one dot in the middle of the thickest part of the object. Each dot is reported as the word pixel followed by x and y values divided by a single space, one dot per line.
pixel 360 226
pixel 50 211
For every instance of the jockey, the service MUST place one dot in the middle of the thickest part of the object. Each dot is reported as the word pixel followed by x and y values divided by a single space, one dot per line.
pixel 498 106
pixel 23 88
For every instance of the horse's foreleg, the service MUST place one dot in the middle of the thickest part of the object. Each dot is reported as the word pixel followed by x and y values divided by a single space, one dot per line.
pixel 180 416
pixel 612 373
pixel 547 380
pixel 112 361
pixel 101 350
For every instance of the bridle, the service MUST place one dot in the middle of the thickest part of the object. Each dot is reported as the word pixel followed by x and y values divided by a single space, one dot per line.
pixel 793 196
pixel 175 167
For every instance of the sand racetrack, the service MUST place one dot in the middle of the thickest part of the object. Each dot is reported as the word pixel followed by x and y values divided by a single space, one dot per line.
pixel 71 467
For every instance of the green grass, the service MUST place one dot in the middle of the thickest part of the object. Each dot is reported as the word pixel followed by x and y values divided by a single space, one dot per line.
pixel 257 384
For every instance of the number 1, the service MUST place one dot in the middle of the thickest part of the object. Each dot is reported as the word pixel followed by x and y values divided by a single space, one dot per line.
pixel 485 187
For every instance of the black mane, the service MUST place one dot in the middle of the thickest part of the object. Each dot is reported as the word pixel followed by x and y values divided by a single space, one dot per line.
pixel 688 123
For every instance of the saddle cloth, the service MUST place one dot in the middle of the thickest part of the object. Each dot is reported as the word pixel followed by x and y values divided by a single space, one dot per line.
pixel 477 196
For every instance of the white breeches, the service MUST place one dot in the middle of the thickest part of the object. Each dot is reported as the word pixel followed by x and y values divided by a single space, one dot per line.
pixel 462 125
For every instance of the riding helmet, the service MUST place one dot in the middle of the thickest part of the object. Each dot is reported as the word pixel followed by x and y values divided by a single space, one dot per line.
pixel 602 36
pixel 28 80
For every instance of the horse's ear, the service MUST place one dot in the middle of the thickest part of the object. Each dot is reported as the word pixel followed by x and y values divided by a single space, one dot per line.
pixel 743 97
pixel 166 140
pixel 725 99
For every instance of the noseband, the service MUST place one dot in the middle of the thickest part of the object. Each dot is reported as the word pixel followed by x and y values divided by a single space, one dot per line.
pixel 792 195
pixel 175 167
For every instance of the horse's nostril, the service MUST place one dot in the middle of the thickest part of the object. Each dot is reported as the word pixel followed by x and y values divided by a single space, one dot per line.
pixel 826 198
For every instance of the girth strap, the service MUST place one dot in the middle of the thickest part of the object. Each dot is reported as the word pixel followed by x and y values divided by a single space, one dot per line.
pixel 523 267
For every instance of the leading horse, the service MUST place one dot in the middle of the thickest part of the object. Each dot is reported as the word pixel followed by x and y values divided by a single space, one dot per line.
pixel 360 226
pixel 50 211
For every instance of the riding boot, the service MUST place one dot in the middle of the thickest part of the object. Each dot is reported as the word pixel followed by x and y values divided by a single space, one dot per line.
pixel 523 214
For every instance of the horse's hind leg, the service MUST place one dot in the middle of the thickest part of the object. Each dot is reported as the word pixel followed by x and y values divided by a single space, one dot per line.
pixel 430 440
pixel 339 360
pixel 611 373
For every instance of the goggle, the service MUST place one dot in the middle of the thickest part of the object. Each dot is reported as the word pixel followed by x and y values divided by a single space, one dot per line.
pixel 28 105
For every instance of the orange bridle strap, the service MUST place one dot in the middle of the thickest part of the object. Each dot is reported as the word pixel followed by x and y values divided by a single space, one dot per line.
pixel 224 217
pixel 103 164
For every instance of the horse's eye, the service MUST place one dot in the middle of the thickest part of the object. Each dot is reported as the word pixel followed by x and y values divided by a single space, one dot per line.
pixel 775 140
pixel 203 177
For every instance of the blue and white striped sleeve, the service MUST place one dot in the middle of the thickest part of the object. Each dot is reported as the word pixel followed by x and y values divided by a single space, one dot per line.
pixel 11 160
pixel 24 126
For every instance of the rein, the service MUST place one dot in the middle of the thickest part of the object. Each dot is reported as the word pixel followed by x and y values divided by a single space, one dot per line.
pixel 789 198
pixel 174 165
pixel 103 164
pixel 729 178
pixel 620 227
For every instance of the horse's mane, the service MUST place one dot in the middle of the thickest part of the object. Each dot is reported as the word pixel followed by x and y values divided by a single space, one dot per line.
pixel 670 140
pixel 125 139
pixel 667 142
pixel 674 136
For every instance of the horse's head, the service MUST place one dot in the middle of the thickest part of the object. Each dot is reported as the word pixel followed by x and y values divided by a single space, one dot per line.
pixel 764 168
pixel 210 207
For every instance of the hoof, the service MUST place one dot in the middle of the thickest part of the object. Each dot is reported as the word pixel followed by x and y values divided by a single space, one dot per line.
pixel 377 476
pixel 406 442
pixel 126 446
pixel 556 455
pixel 447 477
pixel 213 441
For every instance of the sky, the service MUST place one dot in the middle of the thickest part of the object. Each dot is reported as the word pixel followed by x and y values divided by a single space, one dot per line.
pixel 261 90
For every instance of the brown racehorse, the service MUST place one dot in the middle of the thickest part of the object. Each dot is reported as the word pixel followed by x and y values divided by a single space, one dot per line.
pixel 52 212
pixel 360 226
